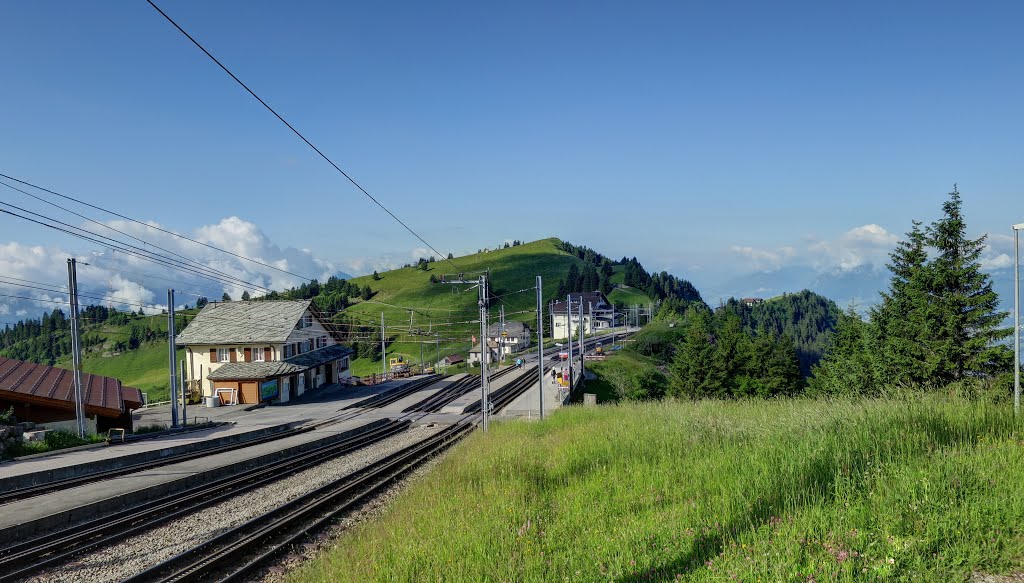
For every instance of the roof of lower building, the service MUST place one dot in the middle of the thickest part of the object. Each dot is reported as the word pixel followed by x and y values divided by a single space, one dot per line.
pixel 243 371
pixel 592 301
pixel 511 328
pixel 476 347
pixel 243 322
pixel 320 356
pixel 28 382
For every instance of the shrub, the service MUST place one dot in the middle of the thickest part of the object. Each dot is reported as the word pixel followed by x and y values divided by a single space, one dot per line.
pixel 150 428
pixel 62 438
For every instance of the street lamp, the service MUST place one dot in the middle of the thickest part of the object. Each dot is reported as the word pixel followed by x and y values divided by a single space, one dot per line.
pixel 1016 317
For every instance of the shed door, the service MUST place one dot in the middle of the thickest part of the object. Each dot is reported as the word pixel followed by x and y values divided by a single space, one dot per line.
pixel 250 393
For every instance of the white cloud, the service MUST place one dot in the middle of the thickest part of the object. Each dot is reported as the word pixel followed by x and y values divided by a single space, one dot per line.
pixel 127 281
pixel 864 245
pixel 1000 261
pixel 764 259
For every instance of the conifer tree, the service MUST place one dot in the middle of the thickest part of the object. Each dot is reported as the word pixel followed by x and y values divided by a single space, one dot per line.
pixel 850 364
pixel 572 279
pixel 901 320
pixel 964 318
pixel 690 368
pixel 732 348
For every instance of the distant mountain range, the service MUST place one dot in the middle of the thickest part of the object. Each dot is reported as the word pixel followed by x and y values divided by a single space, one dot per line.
pixel 860 285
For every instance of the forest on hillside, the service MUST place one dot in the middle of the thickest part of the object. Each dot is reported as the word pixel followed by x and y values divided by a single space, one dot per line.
pixel 47 339
pixel 597 273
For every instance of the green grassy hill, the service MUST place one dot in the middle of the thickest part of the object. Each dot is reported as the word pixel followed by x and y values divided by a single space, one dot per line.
pixel 446 309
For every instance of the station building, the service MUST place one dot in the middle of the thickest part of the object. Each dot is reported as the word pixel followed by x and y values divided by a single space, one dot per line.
pixel 598 314
pixel 249 352
pixel 45 395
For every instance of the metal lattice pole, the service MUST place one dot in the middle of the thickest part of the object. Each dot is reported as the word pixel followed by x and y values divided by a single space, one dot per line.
pixel 171 357
pixel 540 345
pixel 76 354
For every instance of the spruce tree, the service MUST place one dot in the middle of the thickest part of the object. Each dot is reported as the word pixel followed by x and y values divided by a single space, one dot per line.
pixel 689 371
pixel 850 364
pixel 572 279
pixel 562 290
pixel 901 320
pixel 245 296
pixel 732 348
pixel 964 319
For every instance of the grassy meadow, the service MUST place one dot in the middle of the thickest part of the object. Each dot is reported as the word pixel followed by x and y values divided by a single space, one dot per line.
pixel 787 490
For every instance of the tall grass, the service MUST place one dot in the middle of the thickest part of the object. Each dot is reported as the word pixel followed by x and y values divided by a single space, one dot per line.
pixel 787 490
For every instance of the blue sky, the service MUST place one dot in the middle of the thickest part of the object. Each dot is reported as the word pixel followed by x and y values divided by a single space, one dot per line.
pixel 709 139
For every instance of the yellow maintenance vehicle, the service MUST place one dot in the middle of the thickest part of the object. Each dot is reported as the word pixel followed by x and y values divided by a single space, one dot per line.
pixel 398 365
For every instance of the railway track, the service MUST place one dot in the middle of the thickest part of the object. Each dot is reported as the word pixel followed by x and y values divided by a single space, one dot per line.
pixel 386 398
pixel 30 556
pixel 236 553
pixel 62 484
pixel 436 402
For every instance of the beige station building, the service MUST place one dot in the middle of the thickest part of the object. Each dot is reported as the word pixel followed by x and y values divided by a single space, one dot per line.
pixel 250 352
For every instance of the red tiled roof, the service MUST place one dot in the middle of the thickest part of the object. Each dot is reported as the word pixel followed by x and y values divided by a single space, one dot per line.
pixel 37 383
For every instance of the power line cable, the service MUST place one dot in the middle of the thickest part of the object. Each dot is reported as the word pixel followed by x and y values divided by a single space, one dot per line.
pixel 297 133
pixel 207 272
pixel 155 228
pixel 130 236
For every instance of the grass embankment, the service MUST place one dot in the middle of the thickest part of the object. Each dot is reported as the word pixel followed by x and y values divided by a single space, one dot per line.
pixel 623 375
pixel 759 491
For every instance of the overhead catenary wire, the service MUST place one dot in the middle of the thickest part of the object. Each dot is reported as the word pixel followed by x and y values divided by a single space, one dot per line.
pixel 207 272
pixel 104 225
pixel 299 134
pixel 153 227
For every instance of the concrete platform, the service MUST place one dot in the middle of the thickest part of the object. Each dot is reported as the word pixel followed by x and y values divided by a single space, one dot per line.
pixel 33 516
pixel 528 404
pixel 16 474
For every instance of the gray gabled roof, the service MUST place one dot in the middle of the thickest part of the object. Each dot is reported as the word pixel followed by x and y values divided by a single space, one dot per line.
pixel 241 371
pixel 511 327
pixel 243 322
pixel 320 356
pixel 245 371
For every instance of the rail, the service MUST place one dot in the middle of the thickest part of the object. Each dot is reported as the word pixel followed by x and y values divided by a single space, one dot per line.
pixel 27 557
pixel 236 553
pixel 65 483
